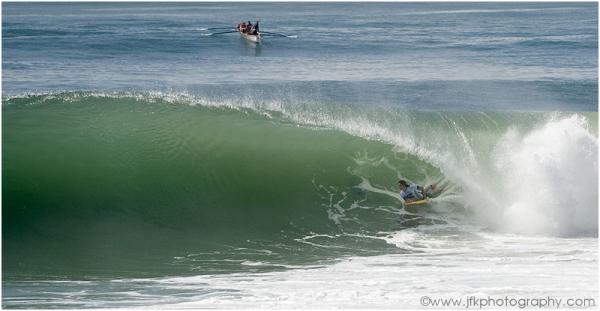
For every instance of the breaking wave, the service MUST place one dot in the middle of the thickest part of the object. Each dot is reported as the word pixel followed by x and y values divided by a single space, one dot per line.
pixel 169 175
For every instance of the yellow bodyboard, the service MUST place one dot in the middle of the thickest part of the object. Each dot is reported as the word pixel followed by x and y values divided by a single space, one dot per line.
pixel 420 202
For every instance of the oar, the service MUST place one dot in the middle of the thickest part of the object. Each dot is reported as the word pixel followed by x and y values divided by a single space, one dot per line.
pixel 216 28
pixel 277 34
pixel 219 33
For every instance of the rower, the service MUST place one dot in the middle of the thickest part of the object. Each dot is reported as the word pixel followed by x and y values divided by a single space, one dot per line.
pixel 249 27
pixel 255 28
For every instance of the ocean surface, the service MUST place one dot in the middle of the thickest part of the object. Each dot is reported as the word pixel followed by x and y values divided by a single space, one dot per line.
pixel 148 161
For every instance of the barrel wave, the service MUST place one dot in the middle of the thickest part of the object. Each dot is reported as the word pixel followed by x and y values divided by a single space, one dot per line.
pixel 146 184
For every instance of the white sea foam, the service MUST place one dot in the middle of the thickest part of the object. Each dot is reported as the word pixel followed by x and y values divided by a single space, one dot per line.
pixel 549 178
pixel 442 263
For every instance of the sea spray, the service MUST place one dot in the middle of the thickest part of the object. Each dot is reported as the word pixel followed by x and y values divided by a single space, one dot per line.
pixel 539 177
pixel 549 178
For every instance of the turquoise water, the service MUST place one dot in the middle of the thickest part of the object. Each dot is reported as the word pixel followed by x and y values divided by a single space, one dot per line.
pixel 146 163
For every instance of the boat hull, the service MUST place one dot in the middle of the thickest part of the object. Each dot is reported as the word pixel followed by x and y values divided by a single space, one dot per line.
pixel 251 38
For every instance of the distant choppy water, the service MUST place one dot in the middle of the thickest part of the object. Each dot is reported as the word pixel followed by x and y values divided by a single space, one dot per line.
pixel 424 55
pixel 146 163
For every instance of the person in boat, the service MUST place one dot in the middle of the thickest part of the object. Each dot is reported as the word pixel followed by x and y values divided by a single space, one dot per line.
pixel 414 192
pixel 255 32
pixel 249 27
pixel 242 27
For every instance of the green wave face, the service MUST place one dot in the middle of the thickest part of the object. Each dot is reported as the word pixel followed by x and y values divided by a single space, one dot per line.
pixel 121 184
pixel 99 185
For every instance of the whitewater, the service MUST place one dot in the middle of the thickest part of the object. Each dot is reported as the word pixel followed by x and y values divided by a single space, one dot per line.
pixel 174 177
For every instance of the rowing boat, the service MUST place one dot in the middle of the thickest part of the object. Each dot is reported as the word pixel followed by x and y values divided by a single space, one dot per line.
pixel 251 38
